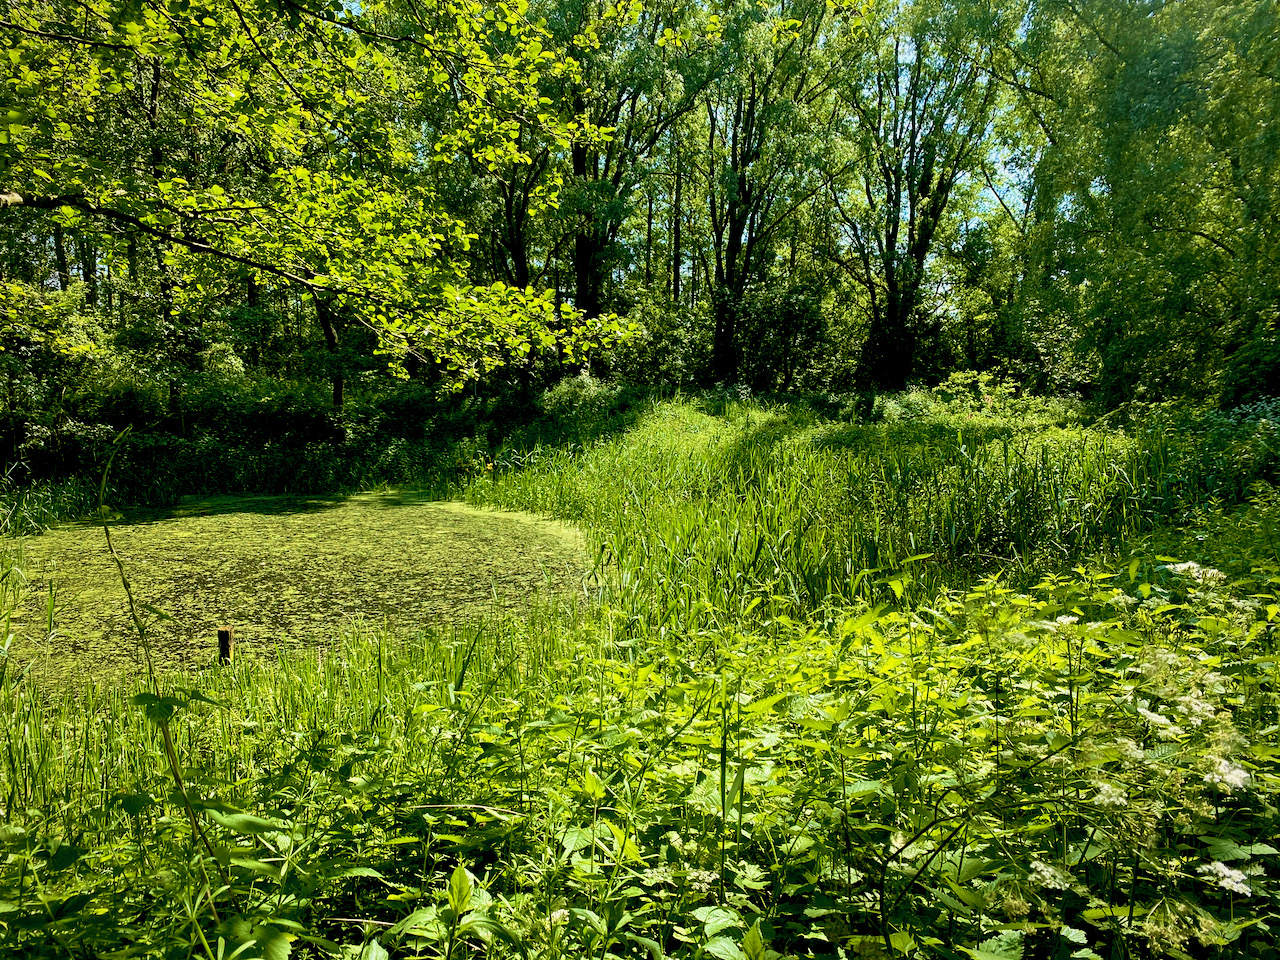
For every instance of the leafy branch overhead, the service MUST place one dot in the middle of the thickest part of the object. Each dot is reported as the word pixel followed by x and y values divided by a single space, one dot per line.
pixel 293 140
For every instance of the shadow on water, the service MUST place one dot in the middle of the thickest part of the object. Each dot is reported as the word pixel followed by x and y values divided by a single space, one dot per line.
pixel 277 505
pixel 282 571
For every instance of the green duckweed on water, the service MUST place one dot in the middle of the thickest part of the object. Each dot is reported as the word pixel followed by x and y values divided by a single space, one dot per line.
pixel 281 571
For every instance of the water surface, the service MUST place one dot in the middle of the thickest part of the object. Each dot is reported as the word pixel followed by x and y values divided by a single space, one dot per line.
pixel 281 571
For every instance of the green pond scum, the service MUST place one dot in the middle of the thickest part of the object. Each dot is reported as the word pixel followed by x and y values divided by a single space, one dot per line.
pixel 282 572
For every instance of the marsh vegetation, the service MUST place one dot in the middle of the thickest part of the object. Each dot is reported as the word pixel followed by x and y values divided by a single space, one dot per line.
pixel 282 572
pixel 904 373
pixel 927 687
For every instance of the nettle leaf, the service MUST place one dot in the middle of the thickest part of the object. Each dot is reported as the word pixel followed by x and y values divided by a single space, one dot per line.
pixel 1223 849
pixel 1006 946
pixel 715 919
pixel 245 823
pixel 723 949
pixel 753 944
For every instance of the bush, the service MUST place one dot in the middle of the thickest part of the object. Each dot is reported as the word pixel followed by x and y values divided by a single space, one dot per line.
pixel 1253 373
pixel 671 348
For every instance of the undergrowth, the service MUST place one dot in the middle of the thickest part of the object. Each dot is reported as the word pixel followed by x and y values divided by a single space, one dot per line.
pixel 845 693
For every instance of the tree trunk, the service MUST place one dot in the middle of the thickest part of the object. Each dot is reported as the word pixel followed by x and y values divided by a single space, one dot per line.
pixel 325 317
pixel 586 249
pixel 89 270
pixel 648 246
pixel 675 237
pixel 60 258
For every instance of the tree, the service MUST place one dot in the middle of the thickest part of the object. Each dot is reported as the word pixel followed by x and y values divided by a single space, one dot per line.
pixel 643 68
pixel 919 97
pixel 764 119
pixel 225 132
pixel 1157 186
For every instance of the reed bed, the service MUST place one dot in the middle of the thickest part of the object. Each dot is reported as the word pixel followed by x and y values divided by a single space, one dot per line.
pixel 832 691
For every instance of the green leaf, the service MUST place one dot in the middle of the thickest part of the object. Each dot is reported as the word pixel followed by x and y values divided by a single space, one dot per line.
pixel 722 948
pixel 902 942
pixel 715 919
pixel 460 889
pixel 753 944
pixel 1222 849
pixel 1006 946
pixel 245 823
pixel 133 803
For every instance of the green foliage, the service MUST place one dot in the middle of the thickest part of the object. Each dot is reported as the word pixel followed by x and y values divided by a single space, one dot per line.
pixel 670 349
pixel 727 755
pixel 1252 373
pixel 313 140
pixel 786 512
pixel 1210 456
pixel 921 778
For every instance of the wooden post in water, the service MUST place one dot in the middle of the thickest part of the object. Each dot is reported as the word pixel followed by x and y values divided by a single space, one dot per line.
pixel 226 644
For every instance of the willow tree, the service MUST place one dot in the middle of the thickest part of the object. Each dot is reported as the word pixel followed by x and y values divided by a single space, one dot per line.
pixel 1158 189
pixel 290 139
pixel 918 94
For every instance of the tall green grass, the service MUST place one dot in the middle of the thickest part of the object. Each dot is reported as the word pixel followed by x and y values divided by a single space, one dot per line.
pixel 28 509
pixel 781 733
pixel 702 513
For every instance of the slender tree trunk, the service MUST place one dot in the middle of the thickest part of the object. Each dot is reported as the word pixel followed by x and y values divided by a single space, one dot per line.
pixel 586 248
pixel 648 246
pixel 325 317
pixel 60 258
pixel 676 255
pixel 89 270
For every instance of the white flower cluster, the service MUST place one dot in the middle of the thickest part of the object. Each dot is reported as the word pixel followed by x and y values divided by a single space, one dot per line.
pixel 1228 878
pixel 702 880
pixel 1227 775
pixel 1195 710
pixel 1164 728
pixel 1204 576
pixel 1159 660
pixel 1109 795
pixel 1049 876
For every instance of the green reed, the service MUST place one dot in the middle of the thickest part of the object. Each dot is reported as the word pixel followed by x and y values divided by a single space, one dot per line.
pixel 761 733
pixel 713 514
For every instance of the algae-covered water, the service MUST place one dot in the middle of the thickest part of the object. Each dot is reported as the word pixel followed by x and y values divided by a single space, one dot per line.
pixel 280 572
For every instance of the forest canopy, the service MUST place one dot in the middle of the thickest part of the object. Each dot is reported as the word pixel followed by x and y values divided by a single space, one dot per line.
pixel 807 195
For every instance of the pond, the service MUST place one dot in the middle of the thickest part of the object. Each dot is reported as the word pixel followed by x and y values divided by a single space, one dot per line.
pixel 281 572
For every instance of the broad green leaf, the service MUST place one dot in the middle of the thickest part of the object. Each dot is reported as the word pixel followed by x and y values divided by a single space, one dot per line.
pixel 460 889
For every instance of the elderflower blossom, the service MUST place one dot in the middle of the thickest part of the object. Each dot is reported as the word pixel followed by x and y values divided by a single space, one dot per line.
pixel 1204 576
pixel 1109 795
pixel 1228 878
pixel 1047 875
pixel 1230 776
pixel 1066 620
pixel 1164 728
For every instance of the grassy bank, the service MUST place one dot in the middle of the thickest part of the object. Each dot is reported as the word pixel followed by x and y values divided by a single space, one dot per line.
pixel 902 689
